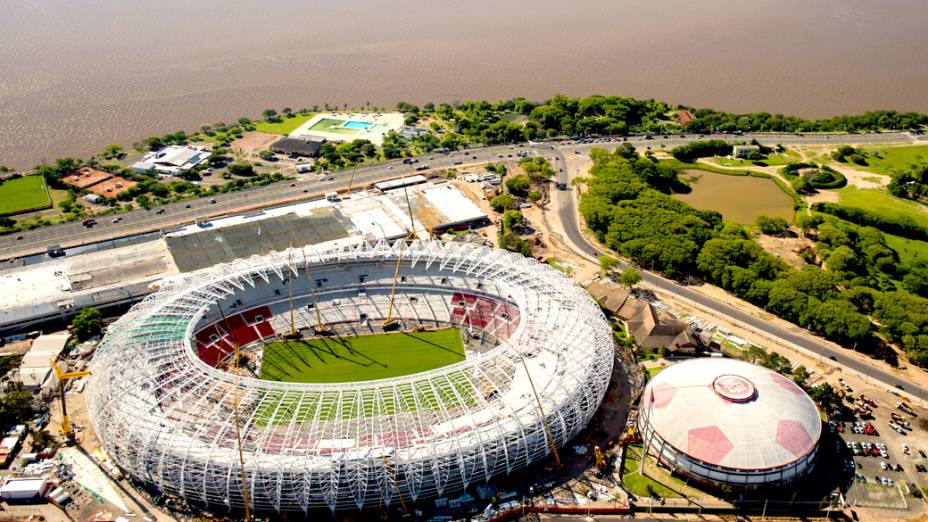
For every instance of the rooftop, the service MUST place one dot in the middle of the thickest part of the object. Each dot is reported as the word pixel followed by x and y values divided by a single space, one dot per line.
pixel 733 414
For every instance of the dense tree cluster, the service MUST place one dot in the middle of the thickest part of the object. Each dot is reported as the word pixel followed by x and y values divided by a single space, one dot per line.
pixel 701 149
pixel 897 225
pixel 911 183
pixel 859 278
pixel 710 120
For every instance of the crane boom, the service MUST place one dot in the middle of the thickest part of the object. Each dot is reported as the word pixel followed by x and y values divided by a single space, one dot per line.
pixel 320 328
pixel 63 376
pixel 389 322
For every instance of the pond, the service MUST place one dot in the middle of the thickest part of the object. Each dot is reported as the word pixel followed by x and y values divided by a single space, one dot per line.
pixel 738 198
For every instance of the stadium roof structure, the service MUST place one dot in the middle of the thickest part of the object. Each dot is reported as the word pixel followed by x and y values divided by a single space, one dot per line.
pixel 168 418
pixel 731 414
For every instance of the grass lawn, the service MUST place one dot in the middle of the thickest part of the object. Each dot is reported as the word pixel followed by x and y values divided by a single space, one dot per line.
pixel 286 126
pixel 364 358
pixel 699 165
pixel 657 482
pixel 894 159
pixel 909 250
pixel 332 125
pixel 884 203
pixel 24 193
pixel 651 371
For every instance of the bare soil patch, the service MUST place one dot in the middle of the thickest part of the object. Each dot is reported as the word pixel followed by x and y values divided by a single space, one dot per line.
pixel 787 249
pixel 253 141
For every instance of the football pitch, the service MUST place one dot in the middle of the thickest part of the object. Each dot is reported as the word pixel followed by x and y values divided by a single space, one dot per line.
pixel 363 358
pixel 23 193
pixel 332 125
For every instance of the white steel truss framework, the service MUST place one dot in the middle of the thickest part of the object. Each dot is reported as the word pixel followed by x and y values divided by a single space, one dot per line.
pixel 166 417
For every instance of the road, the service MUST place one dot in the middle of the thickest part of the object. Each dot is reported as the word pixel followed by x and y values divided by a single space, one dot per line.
pixel 188 211
pixel 569 215
pixel 140 221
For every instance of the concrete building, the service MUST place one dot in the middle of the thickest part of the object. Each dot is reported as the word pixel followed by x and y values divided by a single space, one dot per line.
pixel 303 147
pixel 743 151
pixel 172 160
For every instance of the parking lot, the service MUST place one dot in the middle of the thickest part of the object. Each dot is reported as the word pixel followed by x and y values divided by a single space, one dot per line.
pixel 886 449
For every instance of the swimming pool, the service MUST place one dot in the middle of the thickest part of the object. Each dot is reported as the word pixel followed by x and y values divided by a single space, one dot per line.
pixel 356 125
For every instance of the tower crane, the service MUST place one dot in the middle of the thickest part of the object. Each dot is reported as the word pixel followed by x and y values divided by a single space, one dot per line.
pixel 63 376
pixel 389 323
pixel 320 328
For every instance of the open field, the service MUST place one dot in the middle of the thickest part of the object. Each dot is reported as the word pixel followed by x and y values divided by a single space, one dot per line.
pixel 882 202
pixel 909 250
pixel 23 193
pixel 778 159
pixel 286 126
pixel 363 358
pixel 894 159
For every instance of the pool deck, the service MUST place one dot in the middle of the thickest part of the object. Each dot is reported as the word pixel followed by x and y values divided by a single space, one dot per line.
pixel 366 126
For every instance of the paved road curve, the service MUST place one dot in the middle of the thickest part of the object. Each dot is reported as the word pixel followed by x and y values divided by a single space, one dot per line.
pixel 570 217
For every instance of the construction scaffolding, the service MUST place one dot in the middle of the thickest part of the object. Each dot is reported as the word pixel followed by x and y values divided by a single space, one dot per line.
pixel 169 418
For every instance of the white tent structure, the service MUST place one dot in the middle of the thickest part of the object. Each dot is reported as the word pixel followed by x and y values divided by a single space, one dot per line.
pixel 166 416
pixel 727 422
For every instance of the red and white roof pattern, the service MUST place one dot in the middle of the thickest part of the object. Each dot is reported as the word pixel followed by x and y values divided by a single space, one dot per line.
pixel 732 414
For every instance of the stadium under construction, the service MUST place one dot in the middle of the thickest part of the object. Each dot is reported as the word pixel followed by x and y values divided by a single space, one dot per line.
pixel 178 401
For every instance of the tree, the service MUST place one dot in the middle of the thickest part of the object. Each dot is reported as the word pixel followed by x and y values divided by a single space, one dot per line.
pixel 629 278
pixel 266 155
pixel 607 263
pixel 825 395
pixel 772 225
pixel 113 151
pixel 270 115
pixel 519 185
pixel 511 220
pixel 502 202
pixel 534 196
pixel 87 323
pixel 242 169
pixel 144 201
pixel 15 407
pixel 800 375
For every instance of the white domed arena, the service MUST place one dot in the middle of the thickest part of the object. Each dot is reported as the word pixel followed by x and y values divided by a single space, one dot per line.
pixel 327 421
pixel 726 422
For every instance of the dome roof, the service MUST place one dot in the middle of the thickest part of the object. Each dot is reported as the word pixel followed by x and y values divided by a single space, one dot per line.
pixel 731 414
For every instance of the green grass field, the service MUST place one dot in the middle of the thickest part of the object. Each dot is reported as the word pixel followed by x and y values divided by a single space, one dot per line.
pixel 909 250
pixel 894 159
pixel 364 358
pixel 332 125
pixel 882 202
pixel 656 483
pixel 24 193
pixel 359 359
pixel 286 126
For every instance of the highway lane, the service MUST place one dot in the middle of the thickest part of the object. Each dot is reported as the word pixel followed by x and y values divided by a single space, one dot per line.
pixel 570 217
pixel 187 211
pixel 140 221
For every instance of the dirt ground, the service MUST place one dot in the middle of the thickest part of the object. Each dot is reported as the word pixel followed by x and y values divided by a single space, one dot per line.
pixel 785 248
pixel 253 141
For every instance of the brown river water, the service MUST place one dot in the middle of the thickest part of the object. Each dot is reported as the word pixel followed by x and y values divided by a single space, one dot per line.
pixel 75 75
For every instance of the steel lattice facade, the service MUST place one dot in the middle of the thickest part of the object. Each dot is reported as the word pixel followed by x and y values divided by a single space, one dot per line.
pixel 167 418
